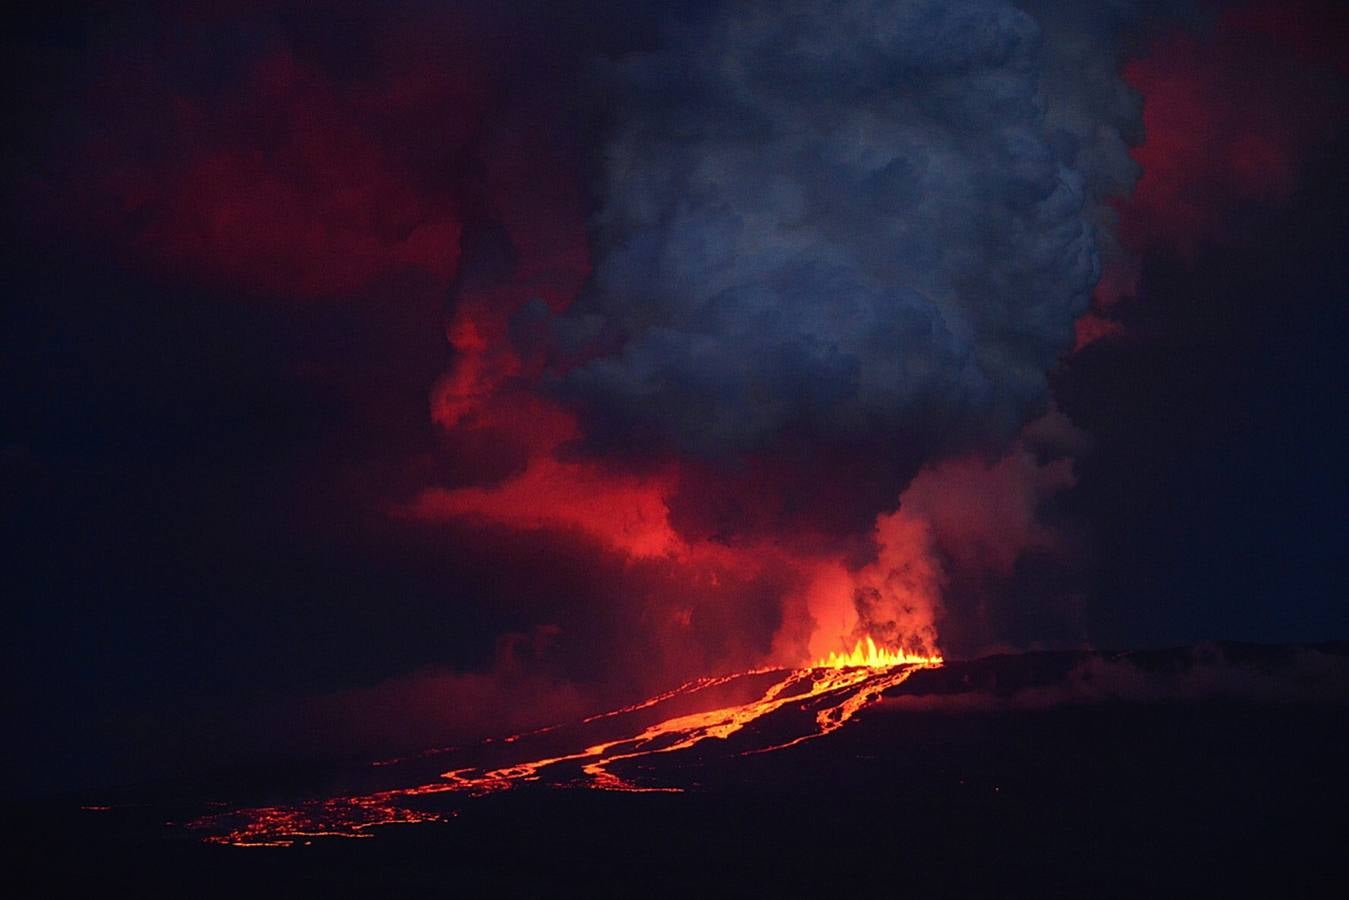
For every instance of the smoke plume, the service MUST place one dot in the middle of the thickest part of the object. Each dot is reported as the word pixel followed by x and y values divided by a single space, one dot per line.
pixel 838 245
pixel 847 224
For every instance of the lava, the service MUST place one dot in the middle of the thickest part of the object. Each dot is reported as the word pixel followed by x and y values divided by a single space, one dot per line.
pixel 834 690
pixel 866 653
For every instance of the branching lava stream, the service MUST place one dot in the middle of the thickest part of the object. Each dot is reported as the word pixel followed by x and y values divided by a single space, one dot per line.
pixel 834 690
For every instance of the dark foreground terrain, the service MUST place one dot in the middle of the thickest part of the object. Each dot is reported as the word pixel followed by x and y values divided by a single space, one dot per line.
pixel 1211 771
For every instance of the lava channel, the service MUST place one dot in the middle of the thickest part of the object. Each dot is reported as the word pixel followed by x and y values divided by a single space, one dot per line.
pixel 835 689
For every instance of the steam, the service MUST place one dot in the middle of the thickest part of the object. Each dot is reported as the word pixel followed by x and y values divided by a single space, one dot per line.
pixel 898 597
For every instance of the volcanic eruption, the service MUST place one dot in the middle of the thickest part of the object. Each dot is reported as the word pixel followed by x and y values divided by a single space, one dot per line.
pixel 692 441
pixel 835 250
pixel 819 699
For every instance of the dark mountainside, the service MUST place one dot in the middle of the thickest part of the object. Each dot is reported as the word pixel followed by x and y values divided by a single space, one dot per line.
pixel 1208 770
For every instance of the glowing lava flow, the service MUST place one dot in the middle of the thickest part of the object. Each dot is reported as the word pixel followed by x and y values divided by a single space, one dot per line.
pixel 834 690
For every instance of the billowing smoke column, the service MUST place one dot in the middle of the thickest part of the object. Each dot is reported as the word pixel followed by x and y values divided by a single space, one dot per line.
pixel 794 387
pixel 843 238
pixel 847 221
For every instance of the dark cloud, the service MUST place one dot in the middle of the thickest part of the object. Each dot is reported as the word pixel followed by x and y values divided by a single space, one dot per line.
pixel 848 224
pixel 1232 111
pixel 1212 489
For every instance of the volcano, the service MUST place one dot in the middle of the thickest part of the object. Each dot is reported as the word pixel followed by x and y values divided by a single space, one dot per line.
pixel 1118 774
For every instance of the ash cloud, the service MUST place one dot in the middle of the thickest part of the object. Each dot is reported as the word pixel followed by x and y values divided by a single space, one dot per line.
pixel 848 224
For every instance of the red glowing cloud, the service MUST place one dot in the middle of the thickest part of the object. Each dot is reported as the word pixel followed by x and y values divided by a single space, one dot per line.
pixel 986 514
pixel 299 199
pixel 624 512
pixel 1228 118
pixel 276 175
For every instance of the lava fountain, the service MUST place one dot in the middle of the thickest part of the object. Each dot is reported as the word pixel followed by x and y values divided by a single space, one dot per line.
pixel 831 691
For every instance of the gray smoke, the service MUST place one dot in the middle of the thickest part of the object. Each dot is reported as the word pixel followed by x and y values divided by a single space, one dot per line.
pixel 854 221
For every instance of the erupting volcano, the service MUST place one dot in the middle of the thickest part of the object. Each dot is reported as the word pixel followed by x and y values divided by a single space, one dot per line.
pixel 759 446
pixel 790 707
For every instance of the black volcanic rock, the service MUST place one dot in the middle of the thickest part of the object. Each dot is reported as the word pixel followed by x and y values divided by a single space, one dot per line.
pixel 1205 771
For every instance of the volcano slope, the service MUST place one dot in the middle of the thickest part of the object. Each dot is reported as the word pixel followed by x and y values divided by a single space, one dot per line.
pixel 1203 770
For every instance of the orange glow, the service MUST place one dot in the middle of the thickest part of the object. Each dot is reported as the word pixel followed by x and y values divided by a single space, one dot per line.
pixel 834 691
pixel 866 653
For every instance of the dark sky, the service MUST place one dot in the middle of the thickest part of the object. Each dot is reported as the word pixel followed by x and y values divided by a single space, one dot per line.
pixel 377 376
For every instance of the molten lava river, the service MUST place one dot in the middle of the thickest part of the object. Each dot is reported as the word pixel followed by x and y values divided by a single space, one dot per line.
pixel 610 751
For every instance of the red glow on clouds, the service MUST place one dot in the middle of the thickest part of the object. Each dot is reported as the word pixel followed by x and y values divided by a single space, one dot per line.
pixel 1216 135
pixel 625 512
pixel 316 210
pixel 1228 118
pixel 986 515
pixel 287 181
pixel 1092 327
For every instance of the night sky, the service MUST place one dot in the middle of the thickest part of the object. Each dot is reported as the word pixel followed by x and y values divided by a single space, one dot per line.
pixel 380 376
